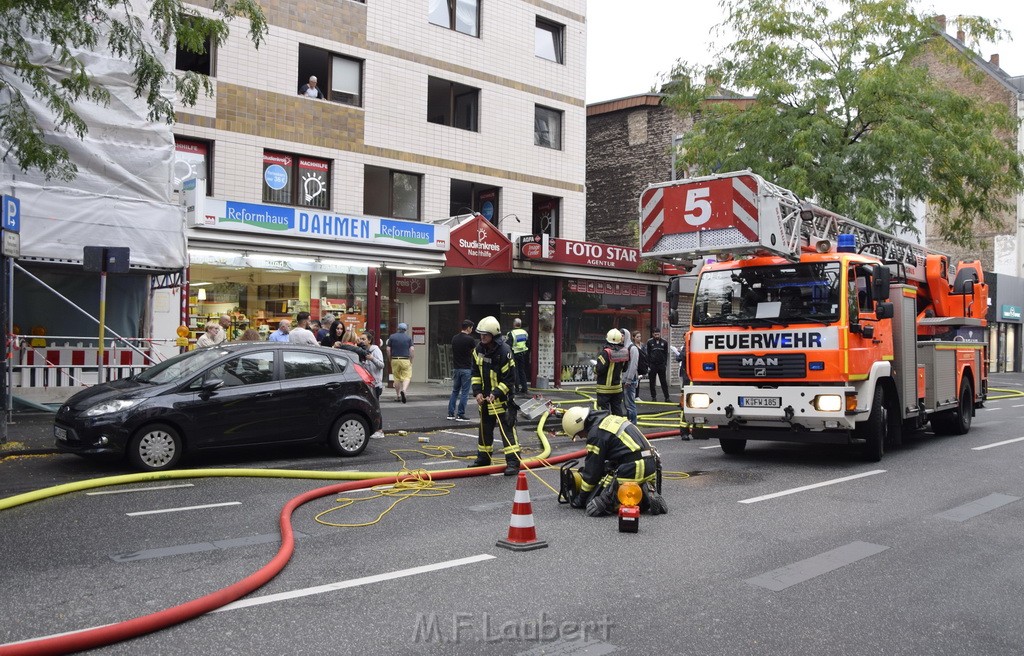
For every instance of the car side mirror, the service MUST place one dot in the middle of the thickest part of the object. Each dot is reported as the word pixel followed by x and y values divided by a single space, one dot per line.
pixel 884 310
pixel 210 386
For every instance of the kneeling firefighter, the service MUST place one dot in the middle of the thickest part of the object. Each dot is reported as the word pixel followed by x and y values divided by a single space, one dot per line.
pixel 494 382
pixel 617 451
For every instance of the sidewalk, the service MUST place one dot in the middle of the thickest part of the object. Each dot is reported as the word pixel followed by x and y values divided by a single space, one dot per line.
pixel 31 432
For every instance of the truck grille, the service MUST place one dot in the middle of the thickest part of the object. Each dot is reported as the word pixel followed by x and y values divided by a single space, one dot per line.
pixel 781 365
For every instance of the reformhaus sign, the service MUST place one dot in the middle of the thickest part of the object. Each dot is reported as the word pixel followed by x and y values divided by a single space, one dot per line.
pixel 1010 312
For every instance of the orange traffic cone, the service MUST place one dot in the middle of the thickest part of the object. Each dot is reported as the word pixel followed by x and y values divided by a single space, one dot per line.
pixel 522 535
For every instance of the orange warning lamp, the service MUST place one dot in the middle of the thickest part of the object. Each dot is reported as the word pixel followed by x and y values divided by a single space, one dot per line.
pixel 629 495
pixel 182 331
pixel 38 332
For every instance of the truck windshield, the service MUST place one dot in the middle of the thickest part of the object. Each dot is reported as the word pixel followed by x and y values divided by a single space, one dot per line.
pixel 755 296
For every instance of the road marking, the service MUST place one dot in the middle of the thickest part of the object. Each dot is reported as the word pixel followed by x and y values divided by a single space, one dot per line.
pixel 989 446
pixel 1019 405
pixel 717 446
pixel 197 547
pixel 782 578
pixel 439 462
pixel 992 409
pixel 460 434
pixel 352 583
pixel 815 485
pixel 141 489
pixel 975 508
pixel 170 510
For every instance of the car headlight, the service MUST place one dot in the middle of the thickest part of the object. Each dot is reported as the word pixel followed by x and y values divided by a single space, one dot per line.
pixel 108 407
pixel 698 400
pixel 828 403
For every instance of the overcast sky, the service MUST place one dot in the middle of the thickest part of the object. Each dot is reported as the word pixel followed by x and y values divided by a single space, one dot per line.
pixel 630 44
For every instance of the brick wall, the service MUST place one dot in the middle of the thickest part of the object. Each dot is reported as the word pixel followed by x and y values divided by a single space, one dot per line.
pixel 983 87
pixel 627 150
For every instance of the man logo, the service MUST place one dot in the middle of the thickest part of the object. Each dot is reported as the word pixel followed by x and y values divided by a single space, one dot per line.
pixel 760 362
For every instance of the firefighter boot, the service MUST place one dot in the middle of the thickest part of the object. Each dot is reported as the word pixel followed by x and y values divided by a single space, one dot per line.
pixel 482 460
pixel 511 465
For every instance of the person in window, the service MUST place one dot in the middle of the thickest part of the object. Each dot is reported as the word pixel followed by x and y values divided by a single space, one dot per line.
pixel 211 337
pixel 310 89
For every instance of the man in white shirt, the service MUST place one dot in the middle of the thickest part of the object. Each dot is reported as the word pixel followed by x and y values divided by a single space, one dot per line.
pixel 301 334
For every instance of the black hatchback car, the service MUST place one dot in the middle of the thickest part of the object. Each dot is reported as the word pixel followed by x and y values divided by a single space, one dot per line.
pixel 234 395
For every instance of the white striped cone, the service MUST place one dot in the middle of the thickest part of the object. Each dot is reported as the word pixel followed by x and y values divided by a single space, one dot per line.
pixel 522 534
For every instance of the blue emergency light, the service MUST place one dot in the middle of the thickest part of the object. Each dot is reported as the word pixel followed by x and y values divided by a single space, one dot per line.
pixel 846 243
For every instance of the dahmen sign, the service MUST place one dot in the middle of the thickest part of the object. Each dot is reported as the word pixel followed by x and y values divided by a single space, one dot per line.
pixel 585 253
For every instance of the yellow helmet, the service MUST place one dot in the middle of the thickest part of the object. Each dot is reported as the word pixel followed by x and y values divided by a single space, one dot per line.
pixel 614 336
pixel 489 325
pixel 572 420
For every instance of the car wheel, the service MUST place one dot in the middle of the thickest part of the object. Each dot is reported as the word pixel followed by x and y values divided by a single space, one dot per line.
pixel 875 430
pixel 349 436
pixel 958 421
pixel 156 447
pixel 733 447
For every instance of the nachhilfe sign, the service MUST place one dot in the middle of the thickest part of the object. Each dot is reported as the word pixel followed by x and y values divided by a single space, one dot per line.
pixel 776 340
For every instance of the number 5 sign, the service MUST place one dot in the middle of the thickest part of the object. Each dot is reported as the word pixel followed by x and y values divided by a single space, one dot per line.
pixel 11 214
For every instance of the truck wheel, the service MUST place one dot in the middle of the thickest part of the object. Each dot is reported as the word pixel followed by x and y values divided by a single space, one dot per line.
pixel 957 421
pixel 733 447
pixel 875 430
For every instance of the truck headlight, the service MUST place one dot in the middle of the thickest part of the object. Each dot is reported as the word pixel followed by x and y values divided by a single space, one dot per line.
pixel 698 400
pixel 828 403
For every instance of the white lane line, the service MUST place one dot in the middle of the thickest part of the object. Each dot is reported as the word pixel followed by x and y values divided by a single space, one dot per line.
pixel 710 447
pixel 1019 405
pixel 473 435
pixel 439 462
pixel 991 409
pixel 989 446
pixel 141 489
pixel 815 485
pixel 352 583
pixel 170 510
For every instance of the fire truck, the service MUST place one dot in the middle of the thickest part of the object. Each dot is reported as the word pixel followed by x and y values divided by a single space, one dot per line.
pixel 810 327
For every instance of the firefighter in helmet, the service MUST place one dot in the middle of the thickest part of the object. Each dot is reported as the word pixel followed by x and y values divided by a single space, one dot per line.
pixel 617 451
pixel 494 381
pixel 611 364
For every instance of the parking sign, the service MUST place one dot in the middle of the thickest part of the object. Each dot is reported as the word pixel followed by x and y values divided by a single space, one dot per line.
pixel 11 214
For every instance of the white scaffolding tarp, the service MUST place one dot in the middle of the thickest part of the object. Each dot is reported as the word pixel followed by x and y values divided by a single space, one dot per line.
pixel 122 194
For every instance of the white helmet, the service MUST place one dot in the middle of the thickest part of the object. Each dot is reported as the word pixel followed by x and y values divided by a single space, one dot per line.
pixel 613 336
pixel 489 325
pixel 572 420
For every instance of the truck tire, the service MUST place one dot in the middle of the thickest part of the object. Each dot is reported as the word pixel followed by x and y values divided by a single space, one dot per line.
pixel 875 429
pixel 733 446
pixel 958 420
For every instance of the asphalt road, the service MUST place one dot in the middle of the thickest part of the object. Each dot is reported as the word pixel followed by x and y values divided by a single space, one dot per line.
pixel 918 554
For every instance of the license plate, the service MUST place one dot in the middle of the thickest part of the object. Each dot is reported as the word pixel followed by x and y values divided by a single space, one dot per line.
pixel 760 402
pixel 60 433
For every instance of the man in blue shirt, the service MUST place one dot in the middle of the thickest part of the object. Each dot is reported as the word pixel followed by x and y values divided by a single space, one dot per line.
pixel 281 334
pixel 401 352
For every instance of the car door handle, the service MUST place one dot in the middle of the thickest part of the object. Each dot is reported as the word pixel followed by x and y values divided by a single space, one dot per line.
pixel 332 385
pixel 263 395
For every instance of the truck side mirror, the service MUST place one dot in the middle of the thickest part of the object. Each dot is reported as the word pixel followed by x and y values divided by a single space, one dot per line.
pixel 881 278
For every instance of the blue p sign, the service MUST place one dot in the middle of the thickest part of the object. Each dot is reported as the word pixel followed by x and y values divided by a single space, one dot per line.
pixel 11 214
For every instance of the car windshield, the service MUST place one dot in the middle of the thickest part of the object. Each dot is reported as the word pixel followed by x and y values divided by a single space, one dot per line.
pixel 768 296
pixel 181 367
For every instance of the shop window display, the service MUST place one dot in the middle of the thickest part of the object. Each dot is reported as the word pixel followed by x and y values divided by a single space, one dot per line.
pixel 590 310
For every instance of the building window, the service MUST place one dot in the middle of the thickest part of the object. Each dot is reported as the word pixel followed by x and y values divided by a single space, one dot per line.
pixel 550 41
pixel 339 78
pixel 192 160
pixel 186 59
pixel 468 197
pixel 545 214
pixel 547 127
pixel 452 104
pixel 459 15
pixel 391 193
pixel 294 180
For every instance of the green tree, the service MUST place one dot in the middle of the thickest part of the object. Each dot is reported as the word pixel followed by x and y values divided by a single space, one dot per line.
pixel 71 26
pixel 844 112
